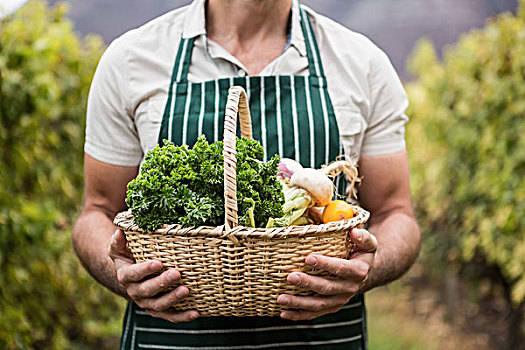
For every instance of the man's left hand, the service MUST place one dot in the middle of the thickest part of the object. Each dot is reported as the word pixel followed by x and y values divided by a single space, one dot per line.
pixel 332 292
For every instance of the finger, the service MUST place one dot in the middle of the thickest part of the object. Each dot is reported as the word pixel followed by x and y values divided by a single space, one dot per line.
pixel 175 316
pixel 313 303
pixel 363 240
pixel 323 285
pixel 136 272
pixel 164 302
pixel 118 247
pixel 355 268
pixel 298 315
pixel 151 287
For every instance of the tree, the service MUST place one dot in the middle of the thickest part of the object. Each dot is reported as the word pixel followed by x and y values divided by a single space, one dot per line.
pixel 47 301
pixel 469 164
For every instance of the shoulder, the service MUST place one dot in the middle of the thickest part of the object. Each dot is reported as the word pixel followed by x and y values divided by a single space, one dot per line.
pixel 140 60
pixel 151 36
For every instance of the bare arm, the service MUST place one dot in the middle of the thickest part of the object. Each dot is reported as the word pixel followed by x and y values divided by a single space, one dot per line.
pixel 104 195
pixel 385 192
pixel 378 258
pixel 103 252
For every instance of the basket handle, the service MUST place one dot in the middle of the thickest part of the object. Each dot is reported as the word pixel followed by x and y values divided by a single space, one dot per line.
pixel 237 102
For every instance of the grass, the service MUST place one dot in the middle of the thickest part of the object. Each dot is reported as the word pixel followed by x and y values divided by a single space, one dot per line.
pixel 391 325
pixel 402 317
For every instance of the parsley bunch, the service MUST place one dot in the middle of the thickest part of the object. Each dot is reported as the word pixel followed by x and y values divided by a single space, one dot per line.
pixel 186 186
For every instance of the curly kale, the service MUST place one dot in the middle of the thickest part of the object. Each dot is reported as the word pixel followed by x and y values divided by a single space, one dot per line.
pixel 185 186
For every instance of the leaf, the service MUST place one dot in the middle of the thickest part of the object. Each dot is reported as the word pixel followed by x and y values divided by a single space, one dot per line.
pixel 466 149
pixel 185 186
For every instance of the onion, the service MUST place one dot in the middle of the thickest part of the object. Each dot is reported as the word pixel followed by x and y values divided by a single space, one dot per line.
pixel 284 172
pixel 316 214
pixel 318 185
pixel 291 164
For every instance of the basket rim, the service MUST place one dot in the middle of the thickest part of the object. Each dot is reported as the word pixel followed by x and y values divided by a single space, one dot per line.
pixel 124 220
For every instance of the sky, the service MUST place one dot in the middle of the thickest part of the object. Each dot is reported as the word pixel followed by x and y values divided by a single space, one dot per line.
pixel 10 6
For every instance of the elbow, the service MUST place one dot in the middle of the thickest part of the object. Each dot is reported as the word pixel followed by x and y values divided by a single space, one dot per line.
pixel 417 240
pixel 76 235
pixel 412 233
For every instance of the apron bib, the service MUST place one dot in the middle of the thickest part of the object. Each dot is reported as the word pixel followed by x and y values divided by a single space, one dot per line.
pixel 291 116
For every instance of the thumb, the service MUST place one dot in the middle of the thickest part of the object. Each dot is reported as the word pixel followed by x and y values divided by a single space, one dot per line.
pixel 363 240
pixel 118 248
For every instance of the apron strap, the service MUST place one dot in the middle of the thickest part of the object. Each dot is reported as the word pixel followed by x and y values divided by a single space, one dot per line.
pixel 315 65
pixel 184 63
pixel 180 70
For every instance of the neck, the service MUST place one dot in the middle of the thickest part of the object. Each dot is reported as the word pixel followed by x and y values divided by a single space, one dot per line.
pixel 245 21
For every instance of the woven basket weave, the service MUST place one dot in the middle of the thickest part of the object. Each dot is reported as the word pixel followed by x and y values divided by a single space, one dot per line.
pixel 234 270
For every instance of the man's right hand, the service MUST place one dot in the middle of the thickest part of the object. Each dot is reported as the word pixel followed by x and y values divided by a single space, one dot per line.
pixel 146 290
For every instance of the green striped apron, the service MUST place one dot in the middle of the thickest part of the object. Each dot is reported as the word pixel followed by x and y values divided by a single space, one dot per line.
pixel 291 116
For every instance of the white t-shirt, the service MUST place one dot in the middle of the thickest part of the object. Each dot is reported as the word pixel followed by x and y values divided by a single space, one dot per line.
pixel 130 86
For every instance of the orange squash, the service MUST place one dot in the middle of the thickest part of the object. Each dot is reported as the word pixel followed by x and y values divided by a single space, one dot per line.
pixel 337 210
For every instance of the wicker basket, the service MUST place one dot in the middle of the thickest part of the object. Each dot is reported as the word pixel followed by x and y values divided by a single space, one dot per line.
pixel 233 270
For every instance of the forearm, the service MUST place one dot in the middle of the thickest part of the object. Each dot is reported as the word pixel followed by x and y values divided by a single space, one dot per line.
pixel 398 247
pixel 91 240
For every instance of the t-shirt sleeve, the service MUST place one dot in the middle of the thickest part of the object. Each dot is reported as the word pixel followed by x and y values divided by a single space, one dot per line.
pixel 385 133
pixel 111 135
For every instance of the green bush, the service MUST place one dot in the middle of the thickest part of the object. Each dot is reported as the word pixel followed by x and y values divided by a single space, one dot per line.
pixel 47 301
pixel 467 147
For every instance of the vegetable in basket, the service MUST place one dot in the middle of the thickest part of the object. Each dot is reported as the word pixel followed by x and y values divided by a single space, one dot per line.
pixel 337 210
pixel 318 186
pixel 303 188
pixel 186 186
pixel 308 193
pixel 296 202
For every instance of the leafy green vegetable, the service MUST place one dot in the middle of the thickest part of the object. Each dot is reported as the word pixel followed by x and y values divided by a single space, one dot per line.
pixel 185 186
pixel 297 201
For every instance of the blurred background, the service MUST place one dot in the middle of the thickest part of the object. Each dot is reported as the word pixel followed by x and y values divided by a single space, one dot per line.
pixel 393 25
pixel 466 141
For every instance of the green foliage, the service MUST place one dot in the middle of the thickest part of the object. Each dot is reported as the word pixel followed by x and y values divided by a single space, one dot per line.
pixel 256 180
pixel 186 186
pixel 47 301
pixel 467 146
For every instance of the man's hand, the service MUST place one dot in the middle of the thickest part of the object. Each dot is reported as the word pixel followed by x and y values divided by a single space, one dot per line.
pixel 332 292
pixel 145 290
